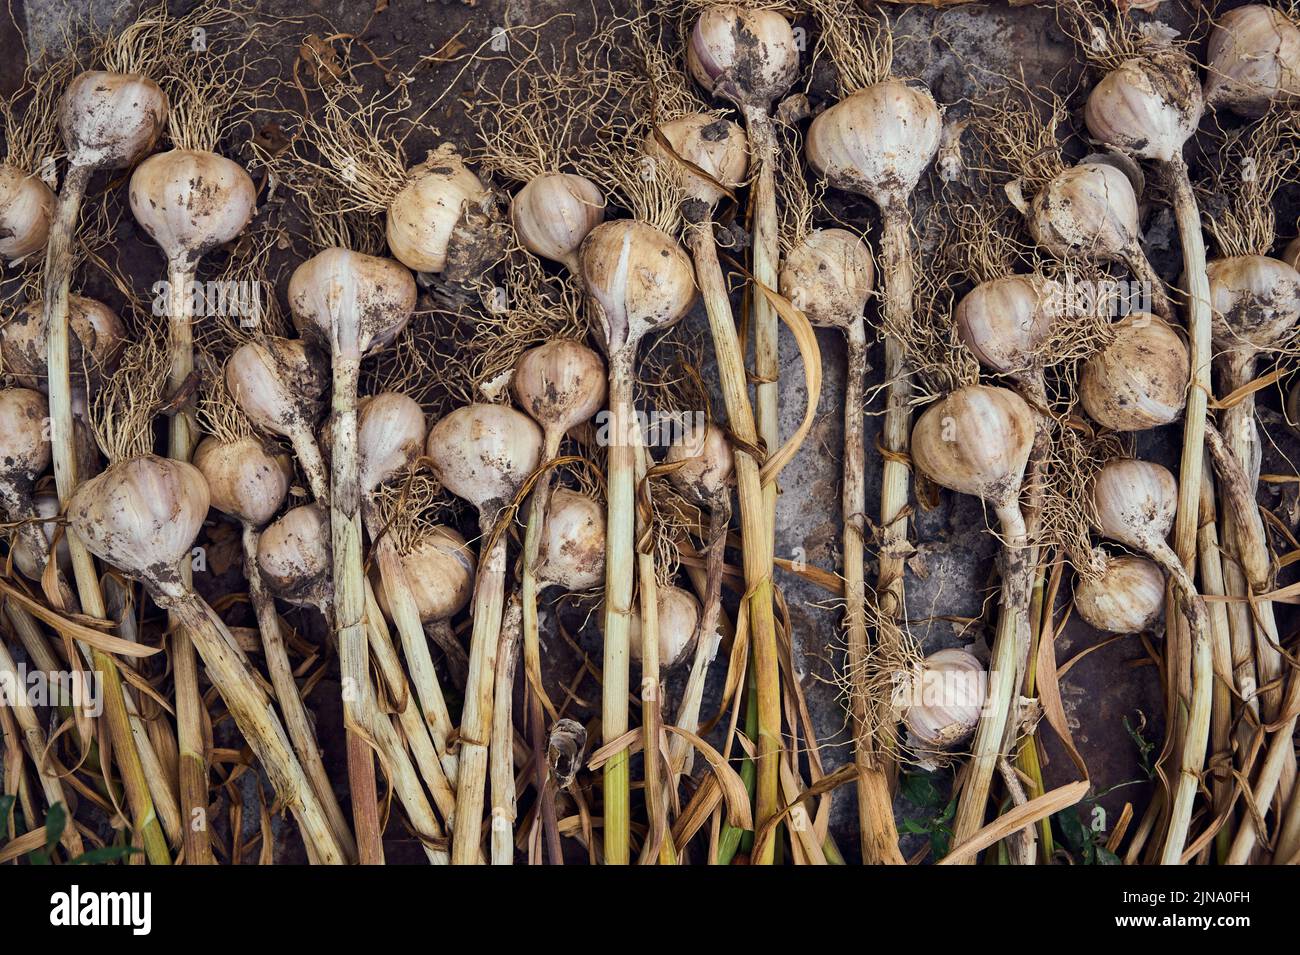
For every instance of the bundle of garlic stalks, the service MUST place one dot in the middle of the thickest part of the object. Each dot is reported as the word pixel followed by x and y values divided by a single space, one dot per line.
pixel 425 496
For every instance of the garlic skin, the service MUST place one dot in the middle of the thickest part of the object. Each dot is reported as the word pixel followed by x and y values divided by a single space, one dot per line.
pixel 483 453
pixel 554 212
pixel 1089 210
pixel 293 556
pixel 1255 302
pixel 1134 503
pixel 747 56
pixel 572 554
pixel 877 142
pixel 245 480
pixel 946 697
pixel 29 564
pixel 111 120
pixel 1127 597
pixel 711 143
pixel 95 345
pixel 352 301
pixel 559 384
pixel 639 277
pixel 191 201
pixel 1005 322
pixel 279 384
pixel 1146 107
pixel 142 515
pixel 1140 379
pixel 24 445
pixel 705 461
pixel 679 614
pixel 829 276
pixel 26 208
pixel 440 569
pixel 1252 60
pixel 425 213
pixel 390 436
pixel 976 441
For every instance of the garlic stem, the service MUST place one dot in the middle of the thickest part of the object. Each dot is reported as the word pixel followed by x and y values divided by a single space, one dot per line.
pixel 476 716
pixel 539 704
pixel 762 140
pixel 501 750
pixel 1244 529
pixel 659 843
pixel 34 741
pixel 193 767
pixel 620 510
pixel 296 720
pixel 58 276
pixel 755 528
pixel 1221 704
pixel 419 662
pixel 1189 491
pixel 1010 653
pixel 350 603
pixel 415 731
pixel 252 713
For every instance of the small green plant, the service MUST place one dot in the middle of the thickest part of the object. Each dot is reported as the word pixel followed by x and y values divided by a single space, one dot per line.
pixel 935 821
pixel 56 821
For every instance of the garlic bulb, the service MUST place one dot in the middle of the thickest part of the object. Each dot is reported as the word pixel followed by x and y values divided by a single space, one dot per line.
pixel 705 465
pixel 483 453
pixel 1134 503
pixel 1089 209
pixel 1007 321
pixel 747 56
pixel 679 613
pixel 293 556
pixel 1127 597
pixel 1256 304
pixel 639 278
pixel 553 213
pixel 1253 60
pixel 560 385
pixel 440 569
pixel 944 700
pixel 190 201
pixel 390 436
pixel 1146 107
pixel 30 564
pixel 24 443
pixel 26 206
pixel 111 120
pixel 573 546
pixel 1139 380
pixel 245 480
pixel 352 301
pixel 829 276
pixel 279 384
pixel 141 515
pixel 715 146
pixel 976 441
pixel 95 346
pixel 877 141
pixel 424 216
